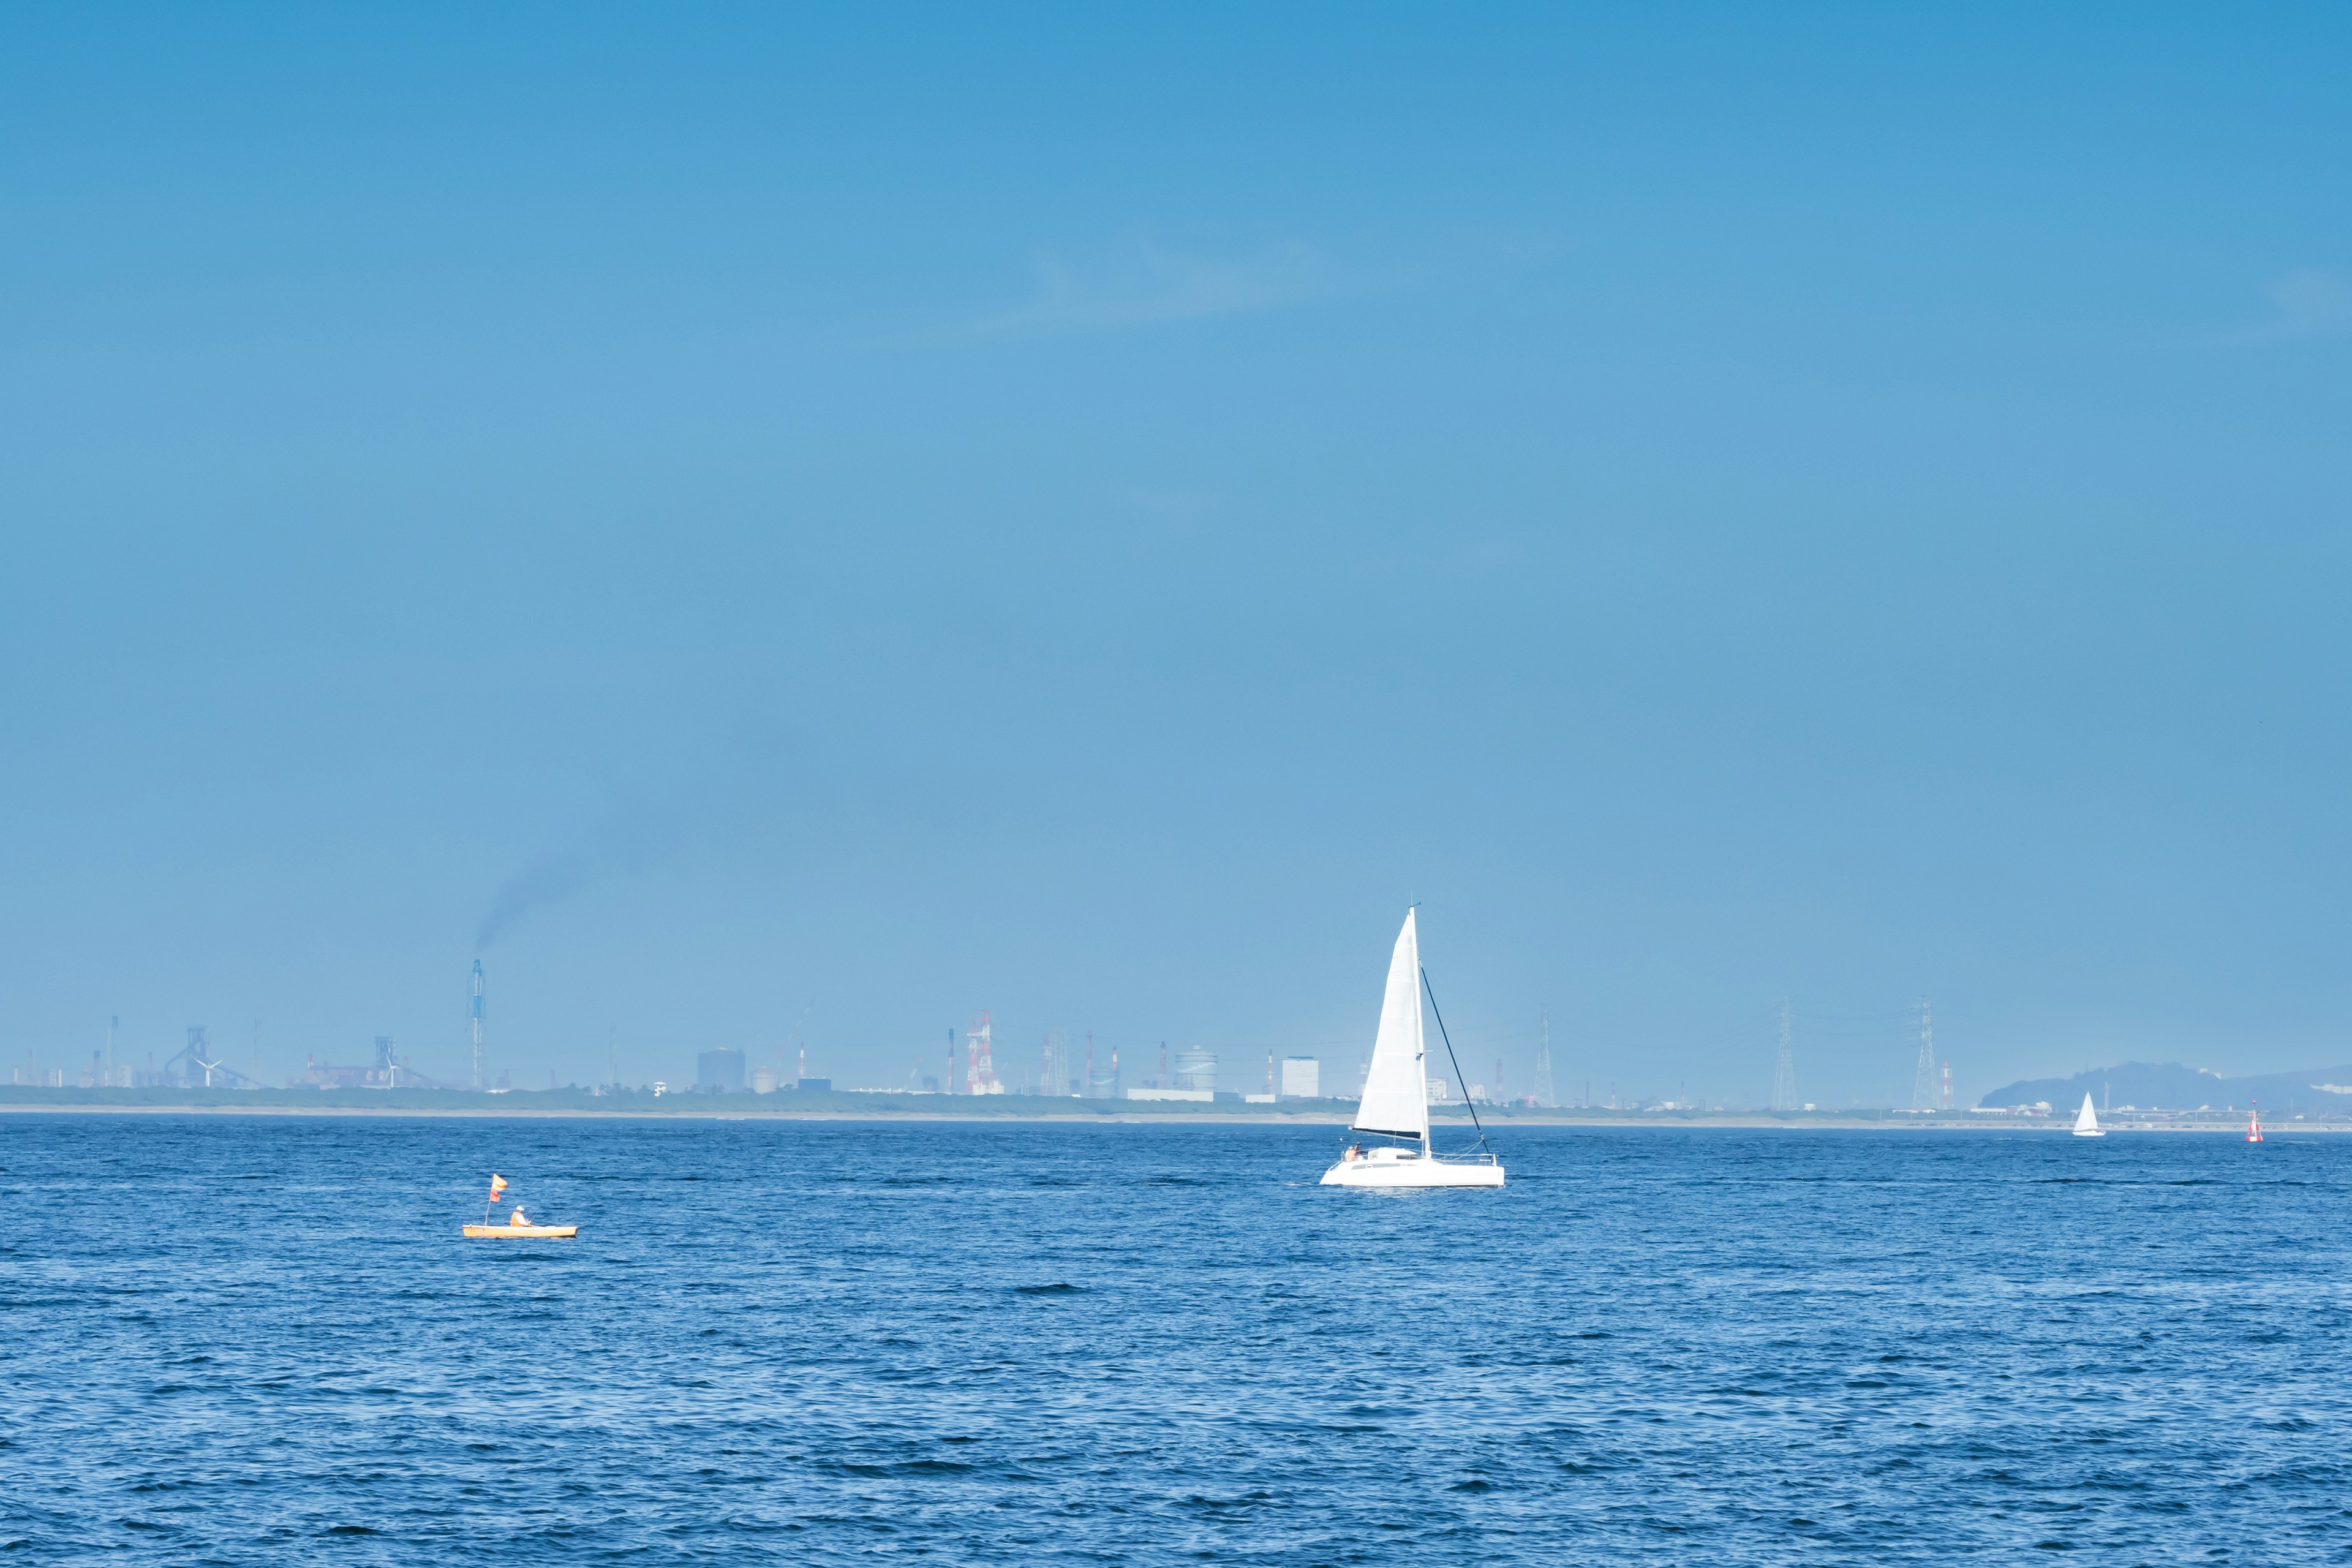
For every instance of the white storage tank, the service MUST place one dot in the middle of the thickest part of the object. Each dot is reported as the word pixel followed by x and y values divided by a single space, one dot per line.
pixel 1196 1070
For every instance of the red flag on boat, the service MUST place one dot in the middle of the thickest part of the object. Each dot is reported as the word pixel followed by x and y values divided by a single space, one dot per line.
pixel 498 1185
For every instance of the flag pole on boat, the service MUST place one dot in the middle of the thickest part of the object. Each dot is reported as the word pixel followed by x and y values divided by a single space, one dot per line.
pixel 1456 1060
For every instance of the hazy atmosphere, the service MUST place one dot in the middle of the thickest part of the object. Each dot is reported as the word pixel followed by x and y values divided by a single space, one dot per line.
pixel 786 529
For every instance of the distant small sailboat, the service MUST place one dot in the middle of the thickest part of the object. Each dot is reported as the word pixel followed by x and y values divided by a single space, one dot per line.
pixel 2254 1122
pixel 2086 1121
pixel 1396 1097
pixel 518 1223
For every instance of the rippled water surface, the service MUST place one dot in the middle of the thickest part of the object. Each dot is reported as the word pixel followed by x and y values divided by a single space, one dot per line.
pixel 260 1339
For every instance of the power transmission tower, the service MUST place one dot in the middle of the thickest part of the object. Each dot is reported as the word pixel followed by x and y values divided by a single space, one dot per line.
pixel 1543 1067
pixel 1784 1069
pixel 1923 1082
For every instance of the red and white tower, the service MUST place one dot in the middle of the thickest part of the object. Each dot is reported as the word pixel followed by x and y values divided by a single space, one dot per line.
pixel 979 1066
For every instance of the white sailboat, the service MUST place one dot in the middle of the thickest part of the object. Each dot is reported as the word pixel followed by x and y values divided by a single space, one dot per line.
pixel 1396 1097
pixel 2086 1121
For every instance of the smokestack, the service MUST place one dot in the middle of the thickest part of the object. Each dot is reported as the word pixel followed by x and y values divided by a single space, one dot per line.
pixel 478 1023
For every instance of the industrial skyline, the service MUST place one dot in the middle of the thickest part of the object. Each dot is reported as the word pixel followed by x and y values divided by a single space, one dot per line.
pixel 1194 1070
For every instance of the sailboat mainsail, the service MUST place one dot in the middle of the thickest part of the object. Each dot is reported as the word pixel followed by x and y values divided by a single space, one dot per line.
pixel 1396 1094
pixel 2086 1121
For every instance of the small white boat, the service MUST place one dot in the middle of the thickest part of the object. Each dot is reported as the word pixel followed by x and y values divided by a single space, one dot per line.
pixel 2086 1122
pixel 1396 1097
pixel 518 1226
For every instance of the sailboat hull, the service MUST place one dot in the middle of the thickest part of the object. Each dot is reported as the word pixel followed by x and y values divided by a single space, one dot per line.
pixel 1413 1171
pixel 2090 1133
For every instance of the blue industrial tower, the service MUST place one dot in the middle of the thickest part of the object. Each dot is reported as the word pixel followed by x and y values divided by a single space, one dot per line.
pixel 478 1023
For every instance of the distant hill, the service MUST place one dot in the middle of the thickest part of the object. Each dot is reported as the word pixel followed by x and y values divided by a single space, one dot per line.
pixel 2172 1087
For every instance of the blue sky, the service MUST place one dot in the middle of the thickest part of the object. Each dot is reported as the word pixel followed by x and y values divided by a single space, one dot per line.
pixel 781 528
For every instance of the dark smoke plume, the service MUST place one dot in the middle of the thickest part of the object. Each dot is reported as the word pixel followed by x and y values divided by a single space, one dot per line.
pixel 619 849
pixel 550 882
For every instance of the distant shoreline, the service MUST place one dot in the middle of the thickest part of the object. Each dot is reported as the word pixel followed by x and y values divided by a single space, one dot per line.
pixel 1497 1121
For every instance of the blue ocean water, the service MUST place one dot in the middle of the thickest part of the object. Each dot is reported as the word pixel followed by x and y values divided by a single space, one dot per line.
pixel 247 1340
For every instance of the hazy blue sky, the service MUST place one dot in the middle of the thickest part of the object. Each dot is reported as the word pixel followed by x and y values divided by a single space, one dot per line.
pixel 829 523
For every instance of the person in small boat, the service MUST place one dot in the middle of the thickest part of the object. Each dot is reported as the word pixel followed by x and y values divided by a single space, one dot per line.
pixel 518 1219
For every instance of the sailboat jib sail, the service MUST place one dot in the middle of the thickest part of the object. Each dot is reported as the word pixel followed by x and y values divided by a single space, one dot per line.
pixel 1396 1093
pixel 2086 1121
pixel 1396 1097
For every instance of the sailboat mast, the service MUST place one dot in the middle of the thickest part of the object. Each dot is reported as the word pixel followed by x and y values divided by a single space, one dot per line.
pixel 1420 1042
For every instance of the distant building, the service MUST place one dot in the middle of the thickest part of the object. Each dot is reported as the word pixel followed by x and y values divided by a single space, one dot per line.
pixel 1438 1091
pixel 1196 1070
pixel 1301 1078
pixel 391 1071
pixel 763 1081
pixel 719 1072
pixel 1200 1094
pixel 813 1085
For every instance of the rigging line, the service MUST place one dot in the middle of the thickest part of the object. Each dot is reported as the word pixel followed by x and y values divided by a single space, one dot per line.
pixel 1450 1057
